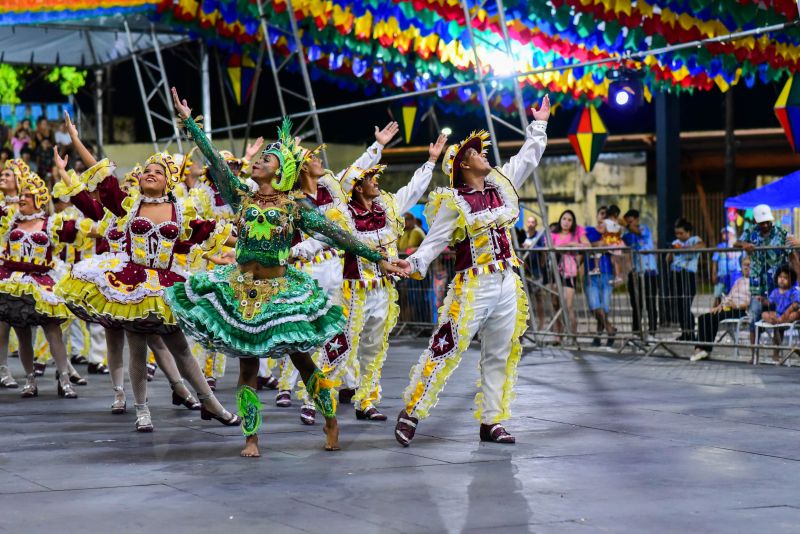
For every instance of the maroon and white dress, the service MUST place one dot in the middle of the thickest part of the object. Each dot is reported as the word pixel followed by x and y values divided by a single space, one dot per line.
pixel 124 288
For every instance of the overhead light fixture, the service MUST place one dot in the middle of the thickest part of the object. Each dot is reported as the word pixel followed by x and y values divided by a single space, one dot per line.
pixel 447 131
pixel 626 90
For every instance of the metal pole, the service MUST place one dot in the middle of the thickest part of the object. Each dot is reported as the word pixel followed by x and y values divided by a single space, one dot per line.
pixel 479 75
pixel 301 58
pixel 220 75
pixel 273 68
pixel 523 120
pixel 167 95
pixel 523 115
pixel 668 165
pixel 205 83
pixel 252 102
pixel 145 103
pixel 730 145
pixel 98 109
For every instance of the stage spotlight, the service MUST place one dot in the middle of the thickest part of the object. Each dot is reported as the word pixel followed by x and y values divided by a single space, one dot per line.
pixel 447 131
pixel 626 90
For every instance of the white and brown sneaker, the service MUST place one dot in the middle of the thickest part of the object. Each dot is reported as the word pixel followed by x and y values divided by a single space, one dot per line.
pixel 496 434
pixel 283 399
pixel 370 414
pixel 308 414
pixel 405 428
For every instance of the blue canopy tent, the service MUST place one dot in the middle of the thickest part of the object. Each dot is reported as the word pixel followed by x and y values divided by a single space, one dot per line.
pixel 779 195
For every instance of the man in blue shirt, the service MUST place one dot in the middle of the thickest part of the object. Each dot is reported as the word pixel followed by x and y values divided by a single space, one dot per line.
pixel 598 285
pixel 643 279
pixel 765 261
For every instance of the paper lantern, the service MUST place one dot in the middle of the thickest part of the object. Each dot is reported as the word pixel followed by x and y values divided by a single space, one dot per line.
pixel 787 109
pixel 587 135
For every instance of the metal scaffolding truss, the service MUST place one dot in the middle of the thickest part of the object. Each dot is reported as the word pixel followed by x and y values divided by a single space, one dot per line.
pixel 278 67
pixel 154 87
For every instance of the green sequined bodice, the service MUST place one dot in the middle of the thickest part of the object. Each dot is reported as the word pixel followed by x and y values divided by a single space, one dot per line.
pixel 265 234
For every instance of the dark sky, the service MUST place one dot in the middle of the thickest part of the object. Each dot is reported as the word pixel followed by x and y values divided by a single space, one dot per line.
pixel 700 111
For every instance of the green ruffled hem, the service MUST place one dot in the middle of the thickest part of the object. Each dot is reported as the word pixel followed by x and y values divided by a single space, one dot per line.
pixel 301 296
pixel 202 321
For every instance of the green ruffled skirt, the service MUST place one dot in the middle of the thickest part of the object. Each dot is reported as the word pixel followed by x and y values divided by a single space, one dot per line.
pixel 227 311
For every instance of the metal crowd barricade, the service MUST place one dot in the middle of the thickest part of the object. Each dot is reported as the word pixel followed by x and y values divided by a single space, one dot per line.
pixel 647 312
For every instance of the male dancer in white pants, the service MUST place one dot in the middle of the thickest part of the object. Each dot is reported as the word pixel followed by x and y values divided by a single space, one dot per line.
pixel 323 263
pixel 475 216
pixel 369 299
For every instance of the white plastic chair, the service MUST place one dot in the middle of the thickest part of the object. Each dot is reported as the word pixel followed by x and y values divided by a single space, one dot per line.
pixel 732 328
pixel 790 338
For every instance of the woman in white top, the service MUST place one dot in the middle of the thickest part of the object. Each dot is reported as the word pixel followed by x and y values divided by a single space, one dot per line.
pixel 733 306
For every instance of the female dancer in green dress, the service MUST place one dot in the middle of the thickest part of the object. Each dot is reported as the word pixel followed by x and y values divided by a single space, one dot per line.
pixel 262 307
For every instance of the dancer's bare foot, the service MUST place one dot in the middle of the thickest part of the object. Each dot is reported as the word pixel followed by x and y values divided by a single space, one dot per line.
pixel 250 448
pixel 331 435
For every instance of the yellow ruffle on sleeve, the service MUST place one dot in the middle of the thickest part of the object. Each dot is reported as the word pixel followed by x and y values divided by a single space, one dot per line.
pixel 98 172
pixel 60 189
pixel 446 197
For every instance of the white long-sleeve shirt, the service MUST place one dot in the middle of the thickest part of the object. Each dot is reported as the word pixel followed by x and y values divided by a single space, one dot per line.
pixel 397 203
pixel 446 219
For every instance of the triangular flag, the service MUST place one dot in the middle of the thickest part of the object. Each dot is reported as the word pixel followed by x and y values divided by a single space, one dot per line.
pixel 409 115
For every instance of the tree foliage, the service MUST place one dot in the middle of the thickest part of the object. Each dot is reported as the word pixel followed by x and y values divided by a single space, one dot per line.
pixel 13 79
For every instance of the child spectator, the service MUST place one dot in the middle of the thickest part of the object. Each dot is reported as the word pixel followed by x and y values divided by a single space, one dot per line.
pixel 611 230
pixel 684 275
pixel 20 141
pixel 784 299
pixel 725 265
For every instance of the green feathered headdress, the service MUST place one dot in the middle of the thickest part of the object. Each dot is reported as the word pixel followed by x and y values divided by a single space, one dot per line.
pixel 289 156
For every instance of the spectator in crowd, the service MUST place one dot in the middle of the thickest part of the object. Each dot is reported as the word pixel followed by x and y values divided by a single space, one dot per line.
pixel 26 154
pixel 21 140
pixel 533 257
pixel 765 263
pixel 5 155
pixel 63 139
pixel 413 294
pixel 734 305
pixel 5 134
pixel 784 300
pixel 725 268
pixel 568 234
pixel 412 235
pixel 611 231
pixel 643 279
pixel 684 275
pixel 598 283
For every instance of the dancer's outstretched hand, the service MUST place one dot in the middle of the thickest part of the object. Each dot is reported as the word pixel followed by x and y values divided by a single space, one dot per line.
pixel 71 129
pixel 388 132
pixel 60 162
pixel 253 149
pixel 181 106
pixel 61 165
pixel 435 149
pixel 543 113
pixel 389 269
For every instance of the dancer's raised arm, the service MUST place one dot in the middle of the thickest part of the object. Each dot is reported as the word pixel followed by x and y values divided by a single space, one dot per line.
pixel 229 185
pixel 87 157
